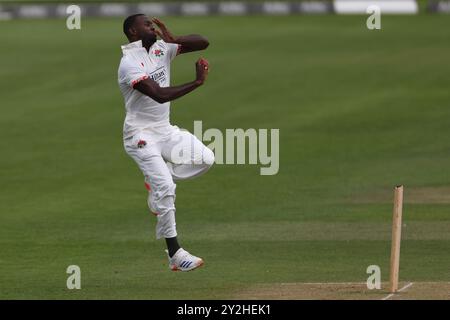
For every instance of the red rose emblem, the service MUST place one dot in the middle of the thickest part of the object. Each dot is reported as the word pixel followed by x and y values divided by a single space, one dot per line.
pixel 141 144
pixel 158 52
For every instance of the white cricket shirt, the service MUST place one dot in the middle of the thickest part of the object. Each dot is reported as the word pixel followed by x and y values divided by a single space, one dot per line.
pixel 142 112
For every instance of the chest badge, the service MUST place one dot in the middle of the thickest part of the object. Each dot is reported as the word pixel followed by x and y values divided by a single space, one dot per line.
pixel 158 52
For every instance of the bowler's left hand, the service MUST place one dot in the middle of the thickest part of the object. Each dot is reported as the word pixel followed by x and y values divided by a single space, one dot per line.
pixel 163 32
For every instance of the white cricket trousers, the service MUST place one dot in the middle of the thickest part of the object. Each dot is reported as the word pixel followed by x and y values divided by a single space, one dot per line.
pixel 179 156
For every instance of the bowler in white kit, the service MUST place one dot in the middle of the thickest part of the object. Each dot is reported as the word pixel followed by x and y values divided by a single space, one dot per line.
pixel 163 152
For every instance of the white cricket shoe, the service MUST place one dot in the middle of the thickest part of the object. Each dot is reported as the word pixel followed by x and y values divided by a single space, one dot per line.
pixel 184 261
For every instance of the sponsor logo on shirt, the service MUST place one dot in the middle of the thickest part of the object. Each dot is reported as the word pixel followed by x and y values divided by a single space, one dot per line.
pixel 159 75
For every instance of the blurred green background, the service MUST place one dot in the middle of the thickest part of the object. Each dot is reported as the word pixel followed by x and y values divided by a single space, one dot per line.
pixel 359 111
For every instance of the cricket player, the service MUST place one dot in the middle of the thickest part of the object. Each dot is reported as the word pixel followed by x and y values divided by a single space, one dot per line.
pixel 163 152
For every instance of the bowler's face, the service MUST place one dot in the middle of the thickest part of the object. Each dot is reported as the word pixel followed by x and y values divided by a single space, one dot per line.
pixel 144 28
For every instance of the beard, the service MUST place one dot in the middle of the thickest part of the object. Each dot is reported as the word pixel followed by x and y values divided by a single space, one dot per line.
pixel 149 38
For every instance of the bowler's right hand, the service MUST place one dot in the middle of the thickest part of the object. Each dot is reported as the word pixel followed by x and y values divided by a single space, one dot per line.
pixel 202 68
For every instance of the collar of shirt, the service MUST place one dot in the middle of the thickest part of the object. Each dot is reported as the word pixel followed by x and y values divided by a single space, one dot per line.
pixel 130 46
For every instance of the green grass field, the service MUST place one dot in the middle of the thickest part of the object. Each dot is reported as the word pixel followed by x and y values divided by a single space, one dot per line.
pixel 359 111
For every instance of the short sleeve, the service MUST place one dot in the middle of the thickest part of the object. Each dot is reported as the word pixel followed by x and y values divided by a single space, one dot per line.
pixel 131 73
pixel 172 50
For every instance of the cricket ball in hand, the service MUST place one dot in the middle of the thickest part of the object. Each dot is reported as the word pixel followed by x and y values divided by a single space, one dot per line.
pixel 204 64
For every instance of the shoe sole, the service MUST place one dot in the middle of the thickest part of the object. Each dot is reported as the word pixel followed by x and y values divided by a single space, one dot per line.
pixel 201 263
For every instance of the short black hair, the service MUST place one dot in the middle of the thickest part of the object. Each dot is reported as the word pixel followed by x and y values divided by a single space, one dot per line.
pixel 129 21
